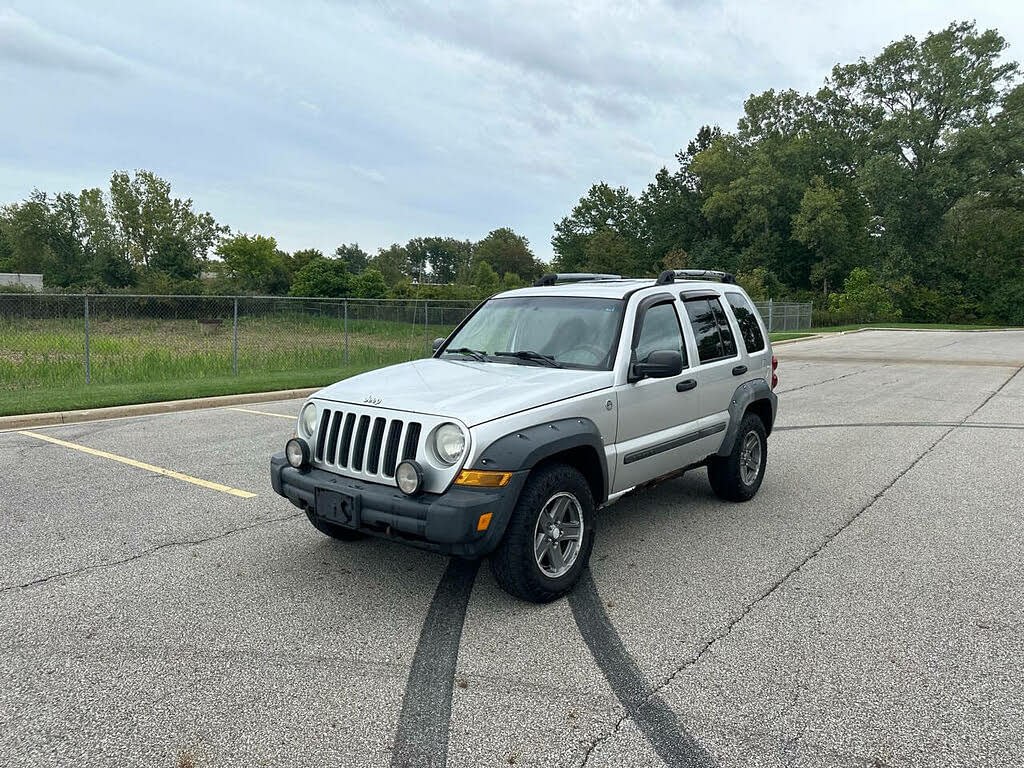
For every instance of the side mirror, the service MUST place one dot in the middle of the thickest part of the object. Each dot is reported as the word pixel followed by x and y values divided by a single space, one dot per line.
pixel 660 364
pixel 437 344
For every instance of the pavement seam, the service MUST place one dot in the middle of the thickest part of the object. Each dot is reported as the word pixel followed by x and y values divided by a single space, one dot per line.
pixel 706 647
pixel 145 553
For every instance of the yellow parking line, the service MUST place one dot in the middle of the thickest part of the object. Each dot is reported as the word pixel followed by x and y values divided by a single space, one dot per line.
pixel 142 465
pixel 262 413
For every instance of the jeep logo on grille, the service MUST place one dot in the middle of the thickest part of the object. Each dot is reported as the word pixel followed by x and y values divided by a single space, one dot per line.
pixel 371 400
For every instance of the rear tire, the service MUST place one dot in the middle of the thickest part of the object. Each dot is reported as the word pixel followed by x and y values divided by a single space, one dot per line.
pixel 738 476
pixel 549 537
pixel 332 530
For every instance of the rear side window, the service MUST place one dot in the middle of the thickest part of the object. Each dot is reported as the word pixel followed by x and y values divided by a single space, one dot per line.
pixel 711 329
pixel 746 317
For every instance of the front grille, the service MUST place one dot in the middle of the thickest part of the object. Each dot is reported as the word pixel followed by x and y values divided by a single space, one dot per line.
pixel 365 445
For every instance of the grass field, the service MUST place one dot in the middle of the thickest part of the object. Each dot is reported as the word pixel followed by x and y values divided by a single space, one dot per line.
pixel 42 362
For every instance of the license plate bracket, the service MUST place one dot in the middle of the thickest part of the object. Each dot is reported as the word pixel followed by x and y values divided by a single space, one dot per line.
pixel 339 508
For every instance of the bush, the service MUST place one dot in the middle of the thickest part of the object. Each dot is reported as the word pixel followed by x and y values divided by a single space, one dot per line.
pixel 328 278
pixel 370 285
pixel 863 299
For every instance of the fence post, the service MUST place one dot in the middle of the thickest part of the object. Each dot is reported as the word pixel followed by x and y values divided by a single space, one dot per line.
pixel 770 326
pixel 88 366
pixel 346 331
pixel 426 324
pixel 234 353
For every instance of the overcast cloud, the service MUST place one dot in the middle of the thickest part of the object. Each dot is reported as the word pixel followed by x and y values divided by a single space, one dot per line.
pixel 329 122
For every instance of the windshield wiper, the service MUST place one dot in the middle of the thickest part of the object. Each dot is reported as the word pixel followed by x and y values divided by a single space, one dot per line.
pixel 529 354
pixel 476 354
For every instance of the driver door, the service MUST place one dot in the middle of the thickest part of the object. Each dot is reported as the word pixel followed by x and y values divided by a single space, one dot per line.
pixel 656 416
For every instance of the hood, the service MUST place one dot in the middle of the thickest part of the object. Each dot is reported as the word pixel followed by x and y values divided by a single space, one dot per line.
pixel 466 390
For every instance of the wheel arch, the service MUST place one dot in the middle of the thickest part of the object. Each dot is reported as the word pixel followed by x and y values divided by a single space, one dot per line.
pixel 754 396
pixel 574 441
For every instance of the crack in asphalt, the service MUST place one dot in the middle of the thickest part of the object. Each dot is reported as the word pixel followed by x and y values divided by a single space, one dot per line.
pixel 819 383
pixel 705 648
pixel 145 553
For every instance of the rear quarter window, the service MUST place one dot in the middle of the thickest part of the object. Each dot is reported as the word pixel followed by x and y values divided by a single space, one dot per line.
pixel 746 318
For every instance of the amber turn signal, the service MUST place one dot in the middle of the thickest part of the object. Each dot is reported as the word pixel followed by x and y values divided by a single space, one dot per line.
pixel 484 521
pixel 483 479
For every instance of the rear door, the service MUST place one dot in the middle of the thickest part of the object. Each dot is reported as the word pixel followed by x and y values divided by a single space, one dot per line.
pixel 752 333
pixel 719 365
pixel 658 418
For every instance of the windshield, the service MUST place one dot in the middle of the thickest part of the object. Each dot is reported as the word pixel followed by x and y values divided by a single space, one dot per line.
pixel 573 332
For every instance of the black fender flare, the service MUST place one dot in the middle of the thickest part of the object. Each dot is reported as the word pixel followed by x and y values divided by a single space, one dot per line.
pixel 524 448
pixel 747 393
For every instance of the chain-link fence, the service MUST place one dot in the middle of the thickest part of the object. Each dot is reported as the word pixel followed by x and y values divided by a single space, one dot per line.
pixel 785 316
pixel 57 341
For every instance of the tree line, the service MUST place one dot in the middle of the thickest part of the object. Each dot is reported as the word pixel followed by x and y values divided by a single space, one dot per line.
pixel 137 237
pixel 896 190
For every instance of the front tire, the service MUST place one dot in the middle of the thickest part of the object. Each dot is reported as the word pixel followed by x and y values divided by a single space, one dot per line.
pixel 549 537
pixel 332 530
pixel 738 476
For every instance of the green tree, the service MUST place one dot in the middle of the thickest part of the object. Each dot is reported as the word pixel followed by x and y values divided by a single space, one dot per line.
pixel 863 299
pixel 355 257
pixel 608 252
pixel 371 285
pixel 485 278
pixel 924 104
pixel 392 263
pixel 507 252
pixel 151 224
pixel 27 232
pixel 253 262
pixel 602 208
pixel 109 266
pixel 437 259
pixel 821 225
pixel 322 277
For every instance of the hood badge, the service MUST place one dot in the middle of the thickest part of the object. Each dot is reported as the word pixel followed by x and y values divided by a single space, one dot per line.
pixel 371 400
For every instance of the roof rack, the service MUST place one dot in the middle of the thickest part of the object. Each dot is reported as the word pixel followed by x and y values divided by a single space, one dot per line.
pixel 670 275
pixel 573 277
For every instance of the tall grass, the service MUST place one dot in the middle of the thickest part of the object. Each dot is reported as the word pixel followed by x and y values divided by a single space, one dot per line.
pixel 50 353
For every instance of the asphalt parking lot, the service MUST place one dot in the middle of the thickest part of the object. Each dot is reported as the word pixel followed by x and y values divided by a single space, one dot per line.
pixel 865 609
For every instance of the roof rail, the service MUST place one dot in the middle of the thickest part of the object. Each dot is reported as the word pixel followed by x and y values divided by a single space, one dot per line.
pixel 670 275
pixel 573 277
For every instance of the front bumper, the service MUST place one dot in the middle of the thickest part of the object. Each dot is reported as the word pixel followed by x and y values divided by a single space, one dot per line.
pixel 444 522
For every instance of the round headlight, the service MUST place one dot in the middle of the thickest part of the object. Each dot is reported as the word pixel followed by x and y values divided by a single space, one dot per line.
pixel 296 452
pixel 449 443
pixel 307 419
pixel 409 477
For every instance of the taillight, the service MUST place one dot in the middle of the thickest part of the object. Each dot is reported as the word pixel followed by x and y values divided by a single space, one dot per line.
pixel 775 378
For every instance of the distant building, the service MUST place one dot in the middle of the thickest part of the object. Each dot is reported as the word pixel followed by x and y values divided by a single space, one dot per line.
pixel 35 282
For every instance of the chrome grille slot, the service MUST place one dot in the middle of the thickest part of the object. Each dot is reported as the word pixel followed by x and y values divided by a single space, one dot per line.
pixel 391 447
pixel 359 445
pixel 412 441
pixel 321 432
pixel 373 450
pixel 346 440
pixel 332 437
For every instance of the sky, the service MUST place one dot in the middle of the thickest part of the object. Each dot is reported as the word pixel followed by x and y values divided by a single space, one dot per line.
pixel 373 122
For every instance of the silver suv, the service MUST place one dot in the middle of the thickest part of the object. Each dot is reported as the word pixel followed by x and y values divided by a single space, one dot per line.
pixel 544 405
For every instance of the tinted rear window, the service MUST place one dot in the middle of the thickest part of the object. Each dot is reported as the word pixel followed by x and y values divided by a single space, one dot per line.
pixel 711 329
pixel 746 317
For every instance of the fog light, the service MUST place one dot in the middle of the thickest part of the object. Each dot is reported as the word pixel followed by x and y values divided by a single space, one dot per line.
pixel 409 476
pixel 296 452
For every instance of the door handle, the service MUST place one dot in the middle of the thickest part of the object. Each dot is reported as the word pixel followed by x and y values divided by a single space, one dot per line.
pixel 686 385
pixel 739 370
